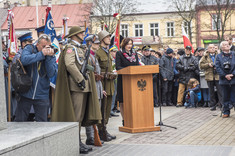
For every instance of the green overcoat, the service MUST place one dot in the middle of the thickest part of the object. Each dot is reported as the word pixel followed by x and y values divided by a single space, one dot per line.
pixel 63 107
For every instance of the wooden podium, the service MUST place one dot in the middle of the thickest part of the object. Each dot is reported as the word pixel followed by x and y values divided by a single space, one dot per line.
pixel 138 106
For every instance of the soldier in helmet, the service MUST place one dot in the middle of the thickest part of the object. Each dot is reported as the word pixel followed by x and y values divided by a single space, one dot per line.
pixel 105 61
pixel 75 94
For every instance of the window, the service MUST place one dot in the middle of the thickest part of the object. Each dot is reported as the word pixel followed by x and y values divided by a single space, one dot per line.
pixel 138 30
pixel 154 29
pixel 186 26
pixel 170 29
pixel 124 30
pixel 215 18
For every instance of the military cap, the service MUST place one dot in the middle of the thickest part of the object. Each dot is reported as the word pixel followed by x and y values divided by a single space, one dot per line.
pixel 146 47
pixel 188 47
pixel 26 37
pixel 74 30
pixel 103 34
pixel 113 48
pixel 40 29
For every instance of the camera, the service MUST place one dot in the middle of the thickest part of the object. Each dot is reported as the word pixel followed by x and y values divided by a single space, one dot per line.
pixel 227 66
pixel 54 48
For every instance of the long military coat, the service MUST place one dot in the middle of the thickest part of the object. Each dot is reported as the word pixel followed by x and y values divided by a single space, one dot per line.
pixel 67 80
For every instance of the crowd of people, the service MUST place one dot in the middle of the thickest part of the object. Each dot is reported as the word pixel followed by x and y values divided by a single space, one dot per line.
pixel 88 87
pixel 193 79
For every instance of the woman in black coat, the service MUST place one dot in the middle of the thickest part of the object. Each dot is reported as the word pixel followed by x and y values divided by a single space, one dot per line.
pixel 124 58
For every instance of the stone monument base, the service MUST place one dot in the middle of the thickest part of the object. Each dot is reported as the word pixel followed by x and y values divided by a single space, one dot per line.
pixel 40 139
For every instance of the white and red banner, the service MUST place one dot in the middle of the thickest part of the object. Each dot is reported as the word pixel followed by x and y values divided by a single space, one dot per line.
pixel 186 39
pixel 12 42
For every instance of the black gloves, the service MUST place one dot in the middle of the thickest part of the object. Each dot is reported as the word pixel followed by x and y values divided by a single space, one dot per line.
pixel 186 69
pixel 82 85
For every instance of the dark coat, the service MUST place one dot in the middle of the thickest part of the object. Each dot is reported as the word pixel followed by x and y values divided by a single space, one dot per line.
pixel 188 67
pixel 220 60
pixel 150 60
pixel 167 65
pixel 122 62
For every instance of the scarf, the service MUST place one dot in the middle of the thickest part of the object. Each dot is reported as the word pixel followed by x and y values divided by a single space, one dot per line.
pixel 130 57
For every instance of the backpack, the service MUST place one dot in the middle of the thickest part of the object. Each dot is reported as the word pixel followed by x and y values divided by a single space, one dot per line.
pixel 20 80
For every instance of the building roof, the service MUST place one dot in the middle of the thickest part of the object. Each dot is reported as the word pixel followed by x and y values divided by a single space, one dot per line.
pixel 25 17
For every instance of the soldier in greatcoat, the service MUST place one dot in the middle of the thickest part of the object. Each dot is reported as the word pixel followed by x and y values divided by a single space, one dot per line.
pixel 105 61
pixel 76 96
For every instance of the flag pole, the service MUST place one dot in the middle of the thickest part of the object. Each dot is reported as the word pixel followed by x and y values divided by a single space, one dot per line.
pixel 102 25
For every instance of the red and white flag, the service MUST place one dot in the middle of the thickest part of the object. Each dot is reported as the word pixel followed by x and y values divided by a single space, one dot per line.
pixel 12 42
pixel 186 39
pixel 117 34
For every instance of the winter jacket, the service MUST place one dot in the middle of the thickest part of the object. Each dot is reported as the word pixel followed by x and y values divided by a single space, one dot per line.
pixel 197 91
pixel 167 67
pixel 150 60
pixel 210 72
pixel 42 68
pixel 220 60
pixel 188 67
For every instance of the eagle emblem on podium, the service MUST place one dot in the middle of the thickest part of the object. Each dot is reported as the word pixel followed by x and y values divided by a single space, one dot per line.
pixel 142 84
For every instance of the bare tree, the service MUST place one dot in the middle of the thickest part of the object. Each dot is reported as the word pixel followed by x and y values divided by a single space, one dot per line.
pixel 220 11
pixel 186 10
pixel 103 11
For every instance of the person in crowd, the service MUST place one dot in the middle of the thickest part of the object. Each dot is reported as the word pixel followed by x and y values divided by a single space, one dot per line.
pixel 40 64
pixel 203 83
pixel 124 58
pixel 200 52
pixel 79 101
pixel 25 40
pixel 165 47
pixel 229 39
pixel 113 50
pixel 167 73
pixel 193 93
pixel 225 67
pixel 105 60
pixel 149 59
pixel 40 30
pixel 207 64
pixel 99 88
pixel 158 55
pixel 188 68
pixel 176 78
pixel 217 48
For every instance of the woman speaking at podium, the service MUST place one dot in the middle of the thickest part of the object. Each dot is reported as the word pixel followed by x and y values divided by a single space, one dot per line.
pixel 124 58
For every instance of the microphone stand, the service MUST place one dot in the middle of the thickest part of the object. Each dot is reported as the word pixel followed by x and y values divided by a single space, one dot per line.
pixel 160 105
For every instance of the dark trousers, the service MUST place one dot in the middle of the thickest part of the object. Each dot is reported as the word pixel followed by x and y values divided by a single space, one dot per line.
pixel 227 90
pixel 40 107
pixel 167 91
pixel 211 85
pixel 155 90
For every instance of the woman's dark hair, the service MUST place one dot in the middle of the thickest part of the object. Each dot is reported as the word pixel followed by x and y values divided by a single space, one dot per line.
pixel 125 41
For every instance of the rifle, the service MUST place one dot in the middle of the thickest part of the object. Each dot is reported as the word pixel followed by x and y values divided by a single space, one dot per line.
pixel 97 141
pixel 103 103
pixel 85 63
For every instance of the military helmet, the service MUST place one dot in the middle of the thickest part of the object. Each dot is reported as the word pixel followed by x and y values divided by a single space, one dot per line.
pixel 103 34
pixel 73 31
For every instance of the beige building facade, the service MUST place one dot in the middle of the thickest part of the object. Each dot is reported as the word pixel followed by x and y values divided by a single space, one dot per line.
pixel 155 29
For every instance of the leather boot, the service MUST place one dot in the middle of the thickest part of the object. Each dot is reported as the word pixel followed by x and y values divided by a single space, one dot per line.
pixel 82 148
pixel 103 135
pixel 111 136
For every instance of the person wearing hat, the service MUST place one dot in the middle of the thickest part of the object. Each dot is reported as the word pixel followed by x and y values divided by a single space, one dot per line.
pixel 100 93
pixel 167 72
pixel 40 30
pixel 61 42
pixel 25 40
pixel 188 68
pixel 105 61
pixel 113 50
pixel 79 92
pixel 149 59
